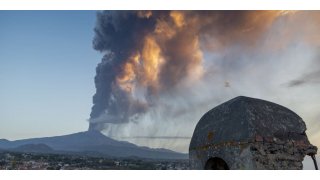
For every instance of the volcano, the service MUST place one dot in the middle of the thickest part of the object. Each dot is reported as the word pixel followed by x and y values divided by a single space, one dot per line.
pixel 91 143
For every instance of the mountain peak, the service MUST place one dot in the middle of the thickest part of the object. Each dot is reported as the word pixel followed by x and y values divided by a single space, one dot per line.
pixel 93 133
pixel 93 142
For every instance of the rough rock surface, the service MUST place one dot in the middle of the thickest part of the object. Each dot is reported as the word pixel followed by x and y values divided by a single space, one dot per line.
pixel 250 133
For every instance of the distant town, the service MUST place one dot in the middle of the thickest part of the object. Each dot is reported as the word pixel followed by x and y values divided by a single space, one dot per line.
pixel 38 161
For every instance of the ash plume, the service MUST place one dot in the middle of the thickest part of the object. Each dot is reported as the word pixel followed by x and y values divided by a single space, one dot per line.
pixel 151 53
pixel 162 70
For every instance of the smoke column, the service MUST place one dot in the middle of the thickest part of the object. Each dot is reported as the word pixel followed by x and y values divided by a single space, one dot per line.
pixel 151 53
pixel 162 70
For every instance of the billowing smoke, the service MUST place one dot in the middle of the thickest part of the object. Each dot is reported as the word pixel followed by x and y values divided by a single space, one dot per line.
pixel 149 53
pixel 162 70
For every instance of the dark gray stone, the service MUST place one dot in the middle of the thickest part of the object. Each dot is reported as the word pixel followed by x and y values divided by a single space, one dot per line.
pixel 249 133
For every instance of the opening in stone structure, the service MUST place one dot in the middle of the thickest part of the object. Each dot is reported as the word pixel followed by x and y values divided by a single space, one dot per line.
pixel 216 164
pixel 268 136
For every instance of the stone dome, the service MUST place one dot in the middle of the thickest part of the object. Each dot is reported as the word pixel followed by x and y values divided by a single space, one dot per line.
pixel 235 130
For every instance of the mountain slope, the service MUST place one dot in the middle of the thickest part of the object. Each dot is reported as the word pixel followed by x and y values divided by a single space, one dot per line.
pixel 43 148
pixel 94 142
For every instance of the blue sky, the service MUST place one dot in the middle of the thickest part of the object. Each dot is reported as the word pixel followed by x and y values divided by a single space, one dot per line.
pixel 47 67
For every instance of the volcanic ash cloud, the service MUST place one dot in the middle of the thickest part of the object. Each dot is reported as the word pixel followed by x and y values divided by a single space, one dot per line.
pixel 161 70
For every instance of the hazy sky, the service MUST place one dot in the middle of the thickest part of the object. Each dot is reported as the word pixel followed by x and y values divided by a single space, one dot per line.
pixel 168 68
pixel 47 67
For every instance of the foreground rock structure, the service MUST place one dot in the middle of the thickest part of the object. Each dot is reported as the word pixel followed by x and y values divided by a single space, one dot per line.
pixel 248 133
